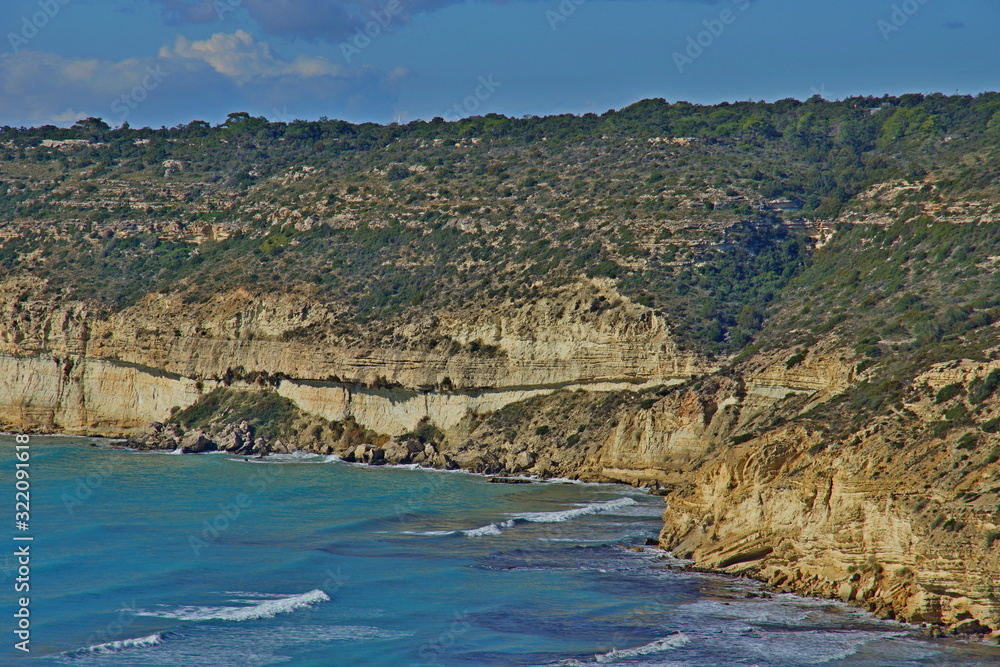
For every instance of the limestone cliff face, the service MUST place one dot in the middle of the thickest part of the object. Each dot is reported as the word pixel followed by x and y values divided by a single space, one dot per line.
pixel 582 333
pixel 821 525
pixel 897 519
pixel 900 518
pixel 81 395
pixel 440 368
pixel 660 442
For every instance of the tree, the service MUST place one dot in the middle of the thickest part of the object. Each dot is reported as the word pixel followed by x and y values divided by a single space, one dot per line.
pixel 91 124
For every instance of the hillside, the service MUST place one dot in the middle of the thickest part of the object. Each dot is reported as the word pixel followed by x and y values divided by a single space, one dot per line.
pixel 780 316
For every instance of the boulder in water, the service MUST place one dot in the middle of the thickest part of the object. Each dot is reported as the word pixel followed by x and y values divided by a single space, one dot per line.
pixel 197 442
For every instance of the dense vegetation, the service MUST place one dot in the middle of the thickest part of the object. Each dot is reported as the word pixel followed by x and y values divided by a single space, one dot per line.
pixel 673 201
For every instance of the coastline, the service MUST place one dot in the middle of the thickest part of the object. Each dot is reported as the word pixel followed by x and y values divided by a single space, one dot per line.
pixel 928 629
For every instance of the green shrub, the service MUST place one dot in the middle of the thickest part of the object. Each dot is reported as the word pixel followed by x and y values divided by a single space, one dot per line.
pixel 980 391
pixel 542 430
pixel 967 441
pixel 426 431
pixel 948 392
pixel 953 525
pixel 941 428
pixel 740 439
pixel 956 413
pixel 795 360
pixel 992 425
pixel 269 413
pixel 396 172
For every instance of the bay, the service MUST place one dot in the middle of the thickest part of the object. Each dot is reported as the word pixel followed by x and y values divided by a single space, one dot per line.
pixel 150 559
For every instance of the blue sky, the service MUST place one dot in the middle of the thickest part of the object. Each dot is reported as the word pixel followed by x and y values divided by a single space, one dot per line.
pixel 167 62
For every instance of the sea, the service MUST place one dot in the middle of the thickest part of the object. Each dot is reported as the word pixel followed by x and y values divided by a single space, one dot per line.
pixel 149 559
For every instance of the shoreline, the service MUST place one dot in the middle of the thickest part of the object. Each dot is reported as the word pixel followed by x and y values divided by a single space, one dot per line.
pixel 928 629
pixel 666 577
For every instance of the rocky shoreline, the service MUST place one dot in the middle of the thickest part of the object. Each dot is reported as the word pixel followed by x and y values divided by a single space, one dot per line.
pixel 768 468
pixel 239 439
pixel 864 589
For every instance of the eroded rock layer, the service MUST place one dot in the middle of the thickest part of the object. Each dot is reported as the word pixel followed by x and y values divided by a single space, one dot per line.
pixel 899 516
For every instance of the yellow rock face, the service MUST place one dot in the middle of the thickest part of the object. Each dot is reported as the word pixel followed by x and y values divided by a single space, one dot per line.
pixel 897 524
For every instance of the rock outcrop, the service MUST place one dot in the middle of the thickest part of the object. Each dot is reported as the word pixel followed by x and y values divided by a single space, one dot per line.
pixel 901 518
pixel 898 516
pixel 69 367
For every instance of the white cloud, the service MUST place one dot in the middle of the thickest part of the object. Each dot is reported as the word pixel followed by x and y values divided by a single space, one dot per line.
pixel 67 117
pixel 322 20
pixel 200 79
pixel 242 58
pixel 48 88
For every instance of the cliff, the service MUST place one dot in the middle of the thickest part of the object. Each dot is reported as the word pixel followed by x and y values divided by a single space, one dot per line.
pixel 582 383
pixel 792 332
pixel 71 367
pixel 900 516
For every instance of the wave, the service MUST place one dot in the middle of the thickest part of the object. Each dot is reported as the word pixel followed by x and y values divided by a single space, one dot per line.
pixel 279 459
pixel 247 597
pixel 660 645
pixel 559 516
pixel 120 645
pixel 262 609
pixel 490 530
pixel 568 515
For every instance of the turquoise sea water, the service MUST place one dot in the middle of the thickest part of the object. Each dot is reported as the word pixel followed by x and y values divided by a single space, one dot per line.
pixel 149 559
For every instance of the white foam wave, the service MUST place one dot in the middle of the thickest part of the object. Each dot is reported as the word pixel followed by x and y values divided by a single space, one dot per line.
pixel 249 595
pixel 665 644
pixel 294 457
pixel 488 531
pixel 494 529
pixel 120 645
pixel 568 515
pixel 280 459
pixel 262 609
pixel 177 452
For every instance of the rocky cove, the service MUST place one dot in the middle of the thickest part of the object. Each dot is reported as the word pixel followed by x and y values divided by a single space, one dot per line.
pixel 580 383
